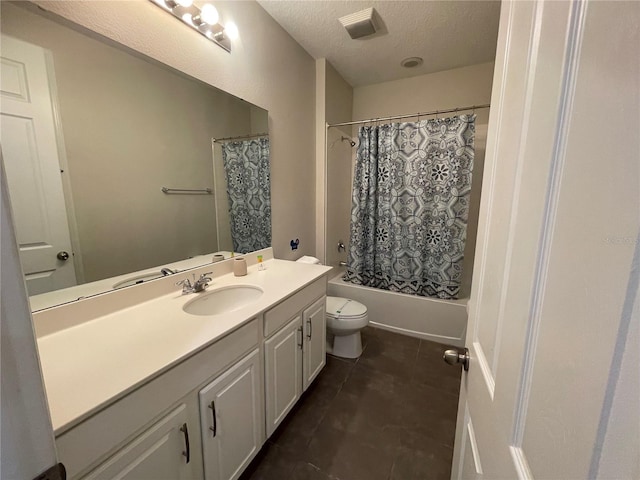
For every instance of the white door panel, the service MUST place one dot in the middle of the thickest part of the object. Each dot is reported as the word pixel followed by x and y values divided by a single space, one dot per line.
pixel 283 372
pixel 559 225
pixel 315 341
pixel 30 153
pixel 159 452
pixel 231 420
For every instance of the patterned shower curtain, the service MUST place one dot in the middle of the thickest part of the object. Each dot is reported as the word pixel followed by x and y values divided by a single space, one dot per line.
pixel 410 206
pixel 246 165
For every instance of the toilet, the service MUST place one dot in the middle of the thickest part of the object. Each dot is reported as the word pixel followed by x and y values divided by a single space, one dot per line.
pixel 345 319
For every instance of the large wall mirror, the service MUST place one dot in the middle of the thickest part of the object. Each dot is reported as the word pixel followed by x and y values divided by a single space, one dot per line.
pixel 91 135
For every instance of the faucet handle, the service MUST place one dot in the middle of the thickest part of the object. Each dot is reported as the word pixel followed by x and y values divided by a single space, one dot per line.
pixel 201 283
pixel 186 285
pixel 205 277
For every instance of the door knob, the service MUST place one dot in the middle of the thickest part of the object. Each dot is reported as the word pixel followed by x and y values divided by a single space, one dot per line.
pixel 453 357
pixel 64 256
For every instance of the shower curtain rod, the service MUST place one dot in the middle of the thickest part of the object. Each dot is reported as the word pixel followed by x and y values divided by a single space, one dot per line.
pixel 422 114
pixel 241 137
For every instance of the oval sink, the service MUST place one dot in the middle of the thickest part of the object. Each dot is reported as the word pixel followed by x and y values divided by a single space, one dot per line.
pixel 223 300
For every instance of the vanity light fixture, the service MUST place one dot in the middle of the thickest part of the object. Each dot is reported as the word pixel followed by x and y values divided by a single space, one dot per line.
pixel 205 20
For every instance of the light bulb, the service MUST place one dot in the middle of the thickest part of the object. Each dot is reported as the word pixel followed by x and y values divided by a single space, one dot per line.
pixel 184 3
pixel 231 30
pixel 209 14
pixel 186 17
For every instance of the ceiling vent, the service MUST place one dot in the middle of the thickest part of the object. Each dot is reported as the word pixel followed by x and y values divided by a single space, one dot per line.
pixel 360 24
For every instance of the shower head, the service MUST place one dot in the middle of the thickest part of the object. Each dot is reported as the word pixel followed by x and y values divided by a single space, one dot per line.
pixel 347 139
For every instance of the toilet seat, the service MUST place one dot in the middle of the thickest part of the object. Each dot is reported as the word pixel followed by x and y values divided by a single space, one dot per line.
pixel 339 308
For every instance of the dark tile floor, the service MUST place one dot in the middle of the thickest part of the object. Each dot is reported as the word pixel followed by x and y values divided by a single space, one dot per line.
pixel 389 415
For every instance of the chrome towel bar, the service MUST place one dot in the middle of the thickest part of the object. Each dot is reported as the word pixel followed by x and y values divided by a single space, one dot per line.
pixel 186 191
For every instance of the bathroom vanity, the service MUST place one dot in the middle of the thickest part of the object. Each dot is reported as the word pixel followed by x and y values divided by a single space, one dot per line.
pixel 140 388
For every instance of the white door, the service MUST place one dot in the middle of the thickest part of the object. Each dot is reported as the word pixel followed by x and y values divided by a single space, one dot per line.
pixel 30 153
pixel 28 447
pixel 283 372
pixel 555 278
pixel 315 341
pixel 163 451
pixel 231 420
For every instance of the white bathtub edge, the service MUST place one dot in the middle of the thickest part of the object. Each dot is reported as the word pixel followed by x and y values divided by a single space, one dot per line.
pixel 441 321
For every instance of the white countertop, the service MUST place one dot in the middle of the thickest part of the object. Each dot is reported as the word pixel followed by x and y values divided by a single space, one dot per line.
pixel 89 366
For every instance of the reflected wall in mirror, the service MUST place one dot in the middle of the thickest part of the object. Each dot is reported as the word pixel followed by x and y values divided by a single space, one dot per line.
pixel 90 134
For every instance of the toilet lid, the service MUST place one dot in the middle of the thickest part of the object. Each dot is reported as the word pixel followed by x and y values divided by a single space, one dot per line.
pixel 338 307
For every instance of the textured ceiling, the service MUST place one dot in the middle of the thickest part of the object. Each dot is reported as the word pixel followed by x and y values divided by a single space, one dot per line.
pixel 446 34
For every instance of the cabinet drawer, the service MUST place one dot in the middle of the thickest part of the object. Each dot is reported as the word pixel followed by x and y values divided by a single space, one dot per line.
pixel 85 445
pixel 159 452
pixel 275 318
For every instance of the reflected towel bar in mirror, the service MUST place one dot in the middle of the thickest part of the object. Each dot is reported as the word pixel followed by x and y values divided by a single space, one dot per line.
pixel 187 191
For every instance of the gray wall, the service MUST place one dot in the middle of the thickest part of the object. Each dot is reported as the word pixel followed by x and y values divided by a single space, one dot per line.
pixel 339 105
pixel 129 128
pixel 266 67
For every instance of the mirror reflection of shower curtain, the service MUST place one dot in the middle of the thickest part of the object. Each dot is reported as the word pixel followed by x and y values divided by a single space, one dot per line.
pixel 246 164
pixel 410 206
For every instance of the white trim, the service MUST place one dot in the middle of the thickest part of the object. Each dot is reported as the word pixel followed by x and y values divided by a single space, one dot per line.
pixel 532 57
pixel 521 464
pixel 488 185
pixel 487 374
pixel 572 52
pixel 67 191
pixel 444 339
pixel 474 447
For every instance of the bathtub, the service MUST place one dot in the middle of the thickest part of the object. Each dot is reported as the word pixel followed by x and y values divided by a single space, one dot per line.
pixel 442 321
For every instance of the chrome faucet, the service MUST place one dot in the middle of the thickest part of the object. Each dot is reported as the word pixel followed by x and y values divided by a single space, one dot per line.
pixel 167 271
pixel 197 286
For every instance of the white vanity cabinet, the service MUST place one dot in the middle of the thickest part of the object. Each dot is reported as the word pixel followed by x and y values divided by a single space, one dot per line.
pixel 314 347
pixel 144 432
pixel 295 349
pixel 163 451
pixel 193 412
pixel 232 419
pixel 283 372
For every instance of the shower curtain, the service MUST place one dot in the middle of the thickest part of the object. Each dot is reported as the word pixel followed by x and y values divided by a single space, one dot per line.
pixel 246 165
pixel 410 205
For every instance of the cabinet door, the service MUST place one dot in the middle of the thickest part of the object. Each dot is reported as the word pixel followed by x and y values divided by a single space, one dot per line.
pixel 231 418
pixel 283 368
pixel 161 452
pixel 315 341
